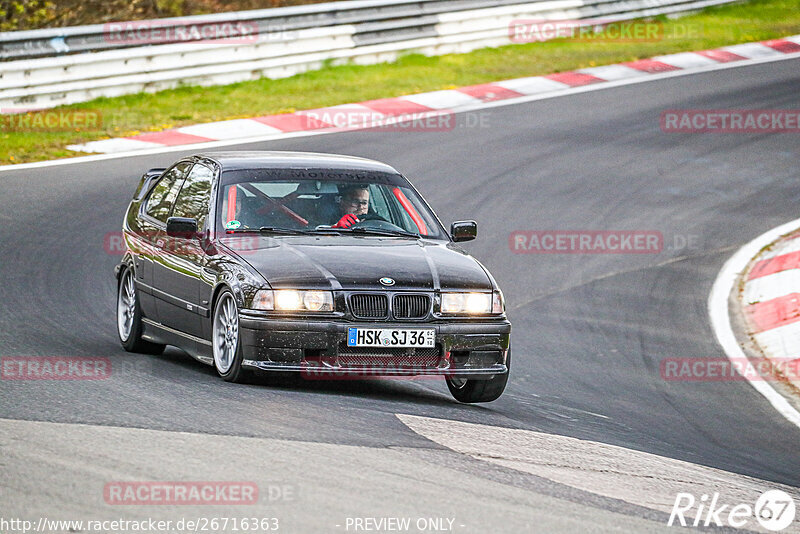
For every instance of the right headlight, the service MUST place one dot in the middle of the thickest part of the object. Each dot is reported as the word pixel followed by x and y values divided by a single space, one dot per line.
pixel 472 303
pixel 498 302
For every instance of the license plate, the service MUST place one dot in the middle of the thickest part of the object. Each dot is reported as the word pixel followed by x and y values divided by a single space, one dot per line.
pixel 391 337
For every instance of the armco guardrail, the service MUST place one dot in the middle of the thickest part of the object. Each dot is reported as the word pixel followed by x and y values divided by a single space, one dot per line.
pixel 84 63
pixel 61 41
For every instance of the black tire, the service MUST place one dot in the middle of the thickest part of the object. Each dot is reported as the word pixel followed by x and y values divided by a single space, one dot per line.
pixel 126 290
pixel 228 355
pixel 472 390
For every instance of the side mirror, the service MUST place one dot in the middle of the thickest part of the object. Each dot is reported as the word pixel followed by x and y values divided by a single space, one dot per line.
pixel 464 230
pixel 182 227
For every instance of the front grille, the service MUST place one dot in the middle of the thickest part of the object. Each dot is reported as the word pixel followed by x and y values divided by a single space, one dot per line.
pixel 369 305
pixel 410 306
pixel 389 358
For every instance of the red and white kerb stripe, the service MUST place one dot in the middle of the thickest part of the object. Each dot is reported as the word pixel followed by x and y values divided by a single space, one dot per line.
pixel 367 114
pixel 771 300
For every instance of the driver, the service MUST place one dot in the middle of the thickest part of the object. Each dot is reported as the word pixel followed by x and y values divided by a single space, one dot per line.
pixel 354 202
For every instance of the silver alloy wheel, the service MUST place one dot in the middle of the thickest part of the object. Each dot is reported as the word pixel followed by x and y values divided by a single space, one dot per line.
pixel 226 333
pixel 126 306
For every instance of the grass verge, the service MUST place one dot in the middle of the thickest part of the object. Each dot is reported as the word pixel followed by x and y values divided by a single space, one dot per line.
pixel 755 20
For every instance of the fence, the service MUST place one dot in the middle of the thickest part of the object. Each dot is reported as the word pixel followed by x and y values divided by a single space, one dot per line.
pixel 46 68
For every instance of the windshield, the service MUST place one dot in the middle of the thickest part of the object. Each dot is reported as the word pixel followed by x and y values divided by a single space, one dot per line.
pixel 254 200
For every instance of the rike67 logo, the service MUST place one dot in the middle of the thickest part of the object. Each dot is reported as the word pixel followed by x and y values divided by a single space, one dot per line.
pixel 774 510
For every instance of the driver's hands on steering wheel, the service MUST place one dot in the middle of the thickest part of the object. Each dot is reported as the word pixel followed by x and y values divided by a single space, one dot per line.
pixel 347 221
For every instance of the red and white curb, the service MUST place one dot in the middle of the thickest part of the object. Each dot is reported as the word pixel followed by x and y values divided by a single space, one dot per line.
pixel 771 301
pixel 420 106
pixel 763 276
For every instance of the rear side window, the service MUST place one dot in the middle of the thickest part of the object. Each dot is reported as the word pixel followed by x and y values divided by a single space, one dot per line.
pixel 195 195
pixel 160 201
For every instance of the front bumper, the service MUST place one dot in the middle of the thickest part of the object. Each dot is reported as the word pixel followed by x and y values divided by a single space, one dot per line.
pixel 464 349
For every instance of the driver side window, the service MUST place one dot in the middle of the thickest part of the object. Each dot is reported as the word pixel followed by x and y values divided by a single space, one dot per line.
pixel 160 201
pixel 193 200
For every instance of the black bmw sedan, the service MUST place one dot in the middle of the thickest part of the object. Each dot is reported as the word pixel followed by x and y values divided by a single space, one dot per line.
pixel 320 265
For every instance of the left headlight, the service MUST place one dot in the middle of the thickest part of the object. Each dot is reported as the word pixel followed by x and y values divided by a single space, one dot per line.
pixel 293 300
pixel 472 303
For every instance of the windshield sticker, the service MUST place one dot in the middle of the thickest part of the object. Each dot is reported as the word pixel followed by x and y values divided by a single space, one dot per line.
pixel 233 225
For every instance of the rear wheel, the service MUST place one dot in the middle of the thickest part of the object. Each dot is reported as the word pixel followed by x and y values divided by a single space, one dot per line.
pixel 129 318
pixel 226 346
pixel 470 390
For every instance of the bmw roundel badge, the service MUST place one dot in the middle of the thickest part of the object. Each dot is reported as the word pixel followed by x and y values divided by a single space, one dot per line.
pixel 386 281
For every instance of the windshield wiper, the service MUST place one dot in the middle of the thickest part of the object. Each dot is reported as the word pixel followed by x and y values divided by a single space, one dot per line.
pixel 321 230
pixel 269 230
pixel 283 231
pixel 389 233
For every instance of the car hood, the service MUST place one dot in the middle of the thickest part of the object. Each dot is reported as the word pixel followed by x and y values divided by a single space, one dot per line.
pixel 355 262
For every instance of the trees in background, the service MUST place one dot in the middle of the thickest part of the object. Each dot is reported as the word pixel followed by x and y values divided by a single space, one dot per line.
pixel 32 14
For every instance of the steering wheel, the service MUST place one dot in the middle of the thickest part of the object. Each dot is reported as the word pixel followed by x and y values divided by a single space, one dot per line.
pixel 376 222
pixel 370 216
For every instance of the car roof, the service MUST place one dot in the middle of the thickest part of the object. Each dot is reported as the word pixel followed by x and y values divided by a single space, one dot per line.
pixel 293 160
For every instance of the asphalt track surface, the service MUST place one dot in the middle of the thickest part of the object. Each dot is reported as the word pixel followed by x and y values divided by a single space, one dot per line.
pixel 589 331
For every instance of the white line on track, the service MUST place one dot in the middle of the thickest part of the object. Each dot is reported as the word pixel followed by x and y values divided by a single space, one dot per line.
pixel 720 315
pixel 199 147
pixel 640 478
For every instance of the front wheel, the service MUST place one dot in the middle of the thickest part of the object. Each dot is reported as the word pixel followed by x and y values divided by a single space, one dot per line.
pixel 129 318
pixel 470 390
pixel 225 342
